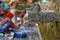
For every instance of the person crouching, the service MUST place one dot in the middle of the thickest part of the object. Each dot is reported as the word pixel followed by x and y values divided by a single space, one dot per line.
pixel 7 23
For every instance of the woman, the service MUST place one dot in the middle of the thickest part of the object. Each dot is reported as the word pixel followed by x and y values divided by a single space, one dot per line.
pixel 13 5
pixel 7 23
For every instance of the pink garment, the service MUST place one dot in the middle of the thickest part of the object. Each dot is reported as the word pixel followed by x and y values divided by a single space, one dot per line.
pixel 7 20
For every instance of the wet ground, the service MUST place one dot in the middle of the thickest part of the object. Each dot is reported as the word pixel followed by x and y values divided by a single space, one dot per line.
pixel 30 36
pixel 33 35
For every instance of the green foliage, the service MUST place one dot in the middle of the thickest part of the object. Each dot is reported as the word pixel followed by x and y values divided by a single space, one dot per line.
pixel 49 32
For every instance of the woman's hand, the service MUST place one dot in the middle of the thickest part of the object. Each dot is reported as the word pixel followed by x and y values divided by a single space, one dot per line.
pixel 16 26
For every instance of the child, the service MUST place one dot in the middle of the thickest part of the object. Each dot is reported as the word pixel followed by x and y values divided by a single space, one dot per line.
pixel 7 23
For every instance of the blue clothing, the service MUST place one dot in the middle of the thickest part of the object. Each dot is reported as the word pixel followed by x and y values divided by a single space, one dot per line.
pixel 1 29
pixel 4 28
pixel 4 6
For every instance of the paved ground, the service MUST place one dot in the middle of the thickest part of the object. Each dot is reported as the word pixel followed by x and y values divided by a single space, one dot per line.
pixel 30 36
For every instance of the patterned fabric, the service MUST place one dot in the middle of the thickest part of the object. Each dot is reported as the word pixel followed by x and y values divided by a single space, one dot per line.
pixel 4 28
